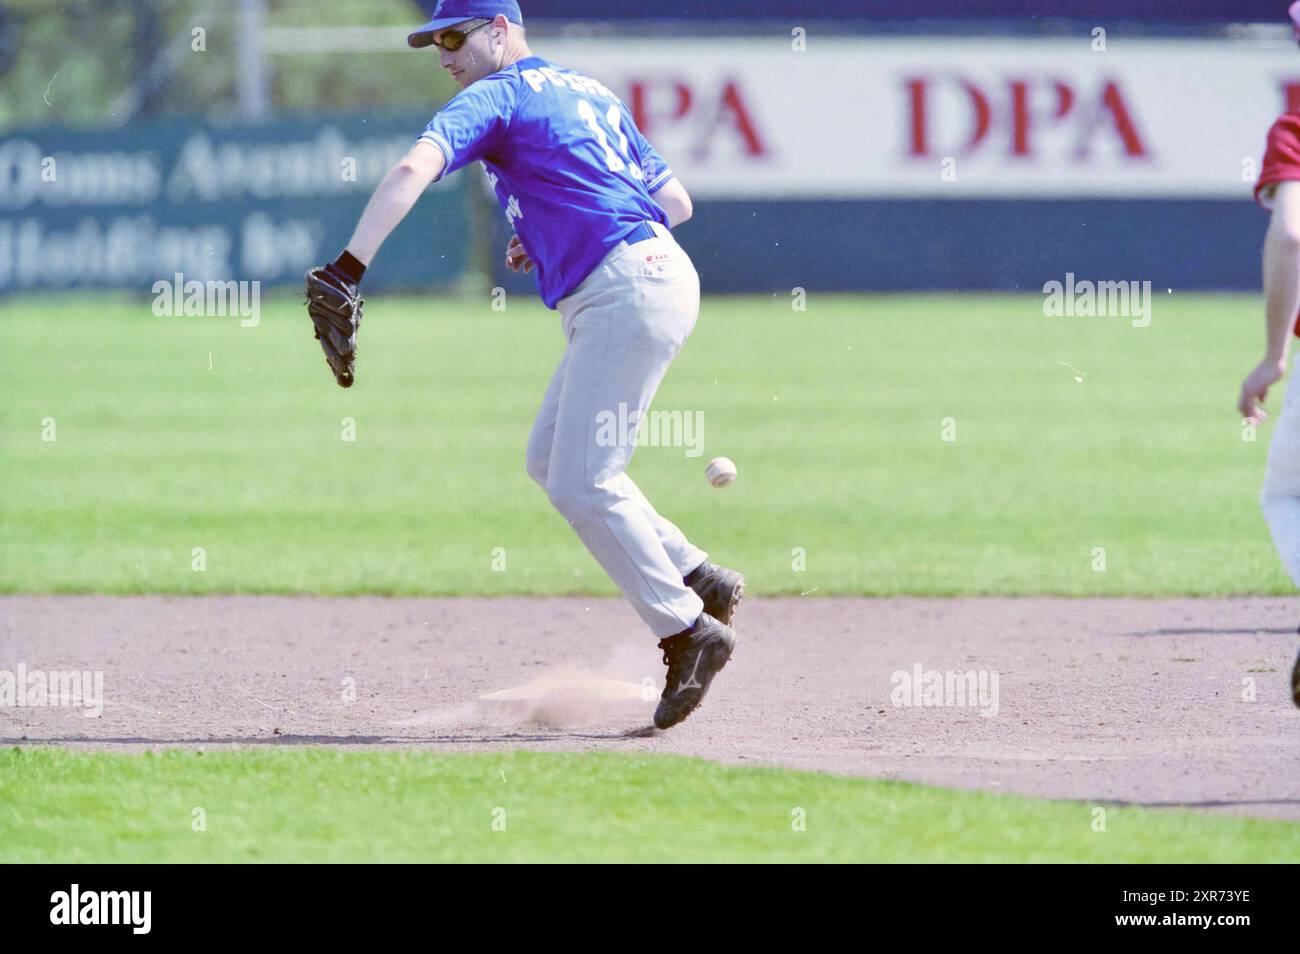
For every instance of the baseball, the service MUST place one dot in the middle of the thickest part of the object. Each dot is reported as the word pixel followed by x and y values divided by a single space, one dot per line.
pixel 720 472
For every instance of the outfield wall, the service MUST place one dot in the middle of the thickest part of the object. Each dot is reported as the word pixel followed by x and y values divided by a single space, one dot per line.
pixel 906 163
pixel 839 11
pixel 828 162
pixel 126 207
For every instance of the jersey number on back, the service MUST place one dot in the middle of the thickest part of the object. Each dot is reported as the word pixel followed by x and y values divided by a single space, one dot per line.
pixel 614 158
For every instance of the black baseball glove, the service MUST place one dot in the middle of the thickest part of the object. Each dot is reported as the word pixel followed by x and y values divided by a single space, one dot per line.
pixel 335 308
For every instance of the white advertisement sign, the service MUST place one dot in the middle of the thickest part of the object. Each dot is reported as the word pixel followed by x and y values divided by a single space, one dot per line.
pixel 951 117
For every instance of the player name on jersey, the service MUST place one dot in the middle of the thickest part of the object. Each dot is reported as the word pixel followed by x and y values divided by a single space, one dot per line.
pixel 538 78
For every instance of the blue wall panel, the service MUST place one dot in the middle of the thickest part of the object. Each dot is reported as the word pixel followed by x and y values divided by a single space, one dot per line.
pixel 771 247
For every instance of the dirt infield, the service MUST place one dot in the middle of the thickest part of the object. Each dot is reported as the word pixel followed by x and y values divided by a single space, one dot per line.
pixel 1104 700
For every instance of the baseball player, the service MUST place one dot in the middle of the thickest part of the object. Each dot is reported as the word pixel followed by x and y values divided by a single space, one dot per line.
pixel 590 203
pixel 1278 190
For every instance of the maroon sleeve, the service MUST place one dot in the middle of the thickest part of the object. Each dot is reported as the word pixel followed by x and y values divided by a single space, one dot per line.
pixel 1282 154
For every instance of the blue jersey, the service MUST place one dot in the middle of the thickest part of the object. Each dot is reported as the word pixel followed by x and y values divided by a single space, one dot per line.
pixel 572 172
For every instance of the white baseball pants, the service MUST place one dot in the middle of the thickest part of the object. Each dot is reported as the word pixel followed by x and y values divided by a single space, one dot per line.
pixel 1281 495
pixel 624 325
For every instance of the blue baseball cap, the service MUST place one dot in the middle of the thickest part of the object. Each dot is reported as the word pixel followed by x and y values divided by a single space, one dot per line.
pixel 450 12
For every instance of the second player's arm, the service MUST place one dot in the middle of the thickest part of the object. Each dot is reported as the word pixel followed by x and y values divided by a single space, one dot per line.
pixel 1281 296
pixel 394 198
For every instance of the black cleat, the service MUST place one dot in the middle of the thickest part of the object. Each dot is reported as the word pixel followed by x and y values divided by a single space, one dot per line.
pixel 1295 682
pixel 693 658
pixel 720 589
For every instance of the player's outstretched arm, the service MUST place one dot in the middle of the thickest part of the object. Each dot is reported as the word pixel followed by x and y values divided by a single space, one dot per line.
pixel 395 197
pixel 1281 297
pixel 675 201
pixel 333 297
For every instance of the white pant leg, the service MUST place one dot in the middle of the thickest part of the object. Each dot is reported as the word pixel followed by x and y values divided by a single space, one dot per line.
pixel 537 459
pixel 625 324
pixel 1281 495
pixel 685 556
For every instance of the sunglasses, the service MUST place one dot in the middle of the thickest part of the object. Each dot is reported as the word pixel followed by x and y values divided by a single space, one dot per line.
pixel 453 40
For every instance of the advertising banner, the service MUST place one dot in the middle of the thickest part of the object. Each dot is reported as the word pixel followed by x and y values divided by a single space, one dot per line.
pixel 126 207
pixel 817 116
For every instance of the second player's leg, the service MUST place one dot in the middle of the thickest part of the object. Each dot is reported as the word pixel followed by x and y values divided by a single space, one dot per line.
pixel 1281 495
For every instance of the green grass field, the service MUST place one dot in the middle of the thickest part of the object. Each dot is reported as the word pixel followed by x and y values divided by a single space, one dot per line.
pixel 834 416
pixel 176 433
pixel 321 805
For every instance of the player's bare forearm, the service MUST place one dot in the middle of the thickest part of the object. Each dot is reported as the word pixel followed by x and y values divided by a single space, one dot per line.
pixel 394 198
pixel 675 201
pixel 1282 270
pixel 1281 299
